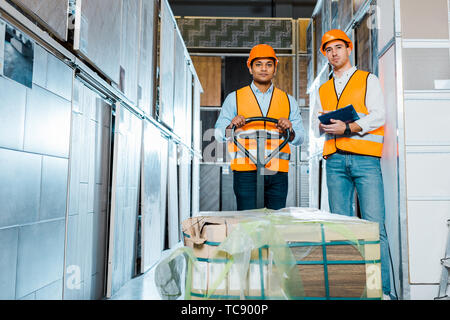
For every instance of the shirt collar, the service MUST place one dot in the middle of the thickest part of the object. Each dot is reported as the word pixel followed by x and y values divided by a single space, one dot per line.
pixel 347 73
pixel 256 90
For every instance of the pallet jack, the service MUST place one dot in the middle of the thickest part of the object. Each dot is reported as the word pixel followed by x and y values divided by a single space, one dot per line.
pixel 261 160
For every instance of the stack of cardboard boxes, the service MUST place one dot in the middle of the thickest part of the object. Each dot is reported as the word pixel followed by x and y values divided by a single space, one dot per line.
pixel 294 253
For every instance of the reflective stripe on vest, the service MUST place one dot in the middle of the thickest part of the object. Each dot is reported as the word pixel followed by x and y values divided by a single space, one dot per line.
pixel 354 93
pixel 247 106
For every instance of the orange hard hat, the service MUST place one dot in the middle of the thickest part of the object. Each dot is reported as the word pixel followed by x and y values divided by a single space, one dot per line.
pixel 261 51
pixel 334 34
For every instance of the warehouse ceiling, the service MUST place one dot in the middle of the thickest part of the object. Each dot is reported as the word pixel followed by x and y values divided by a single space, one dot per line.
pixel 249 8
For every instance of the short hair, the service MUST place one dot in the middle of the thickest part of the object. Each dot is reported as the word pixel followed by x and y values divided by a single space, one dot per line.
pixel 273 59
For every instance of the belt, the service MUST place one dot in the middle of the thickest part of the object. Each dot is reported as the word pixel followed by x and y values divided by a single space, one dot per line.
pixel 343 152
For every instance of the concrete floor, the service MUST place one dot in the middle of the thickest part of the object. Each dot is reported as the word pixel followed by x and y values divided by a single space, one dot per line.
pixel 140 288
pixel 143 287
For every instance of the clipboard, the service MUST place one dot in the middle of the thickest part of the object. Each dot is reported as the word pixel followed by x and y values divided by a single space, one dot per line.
pixel 347 114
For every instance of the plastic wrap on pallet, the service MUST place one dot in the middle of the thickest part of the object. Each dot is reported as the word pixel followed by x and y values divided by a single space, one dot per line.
pixel 293 253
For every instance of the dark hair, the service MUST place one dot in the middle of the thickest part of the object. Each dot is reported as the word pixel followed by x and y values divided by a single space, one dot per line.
pixel 271 58
pixel 346 43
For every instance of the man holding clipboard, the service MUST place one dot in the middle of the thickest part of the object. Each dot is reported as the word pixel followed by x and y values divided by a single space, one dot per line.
pixel 353 145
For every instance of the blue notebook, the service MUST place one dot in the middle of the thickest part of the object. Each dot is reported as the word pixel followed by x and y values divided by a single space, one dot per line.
pixel 347 114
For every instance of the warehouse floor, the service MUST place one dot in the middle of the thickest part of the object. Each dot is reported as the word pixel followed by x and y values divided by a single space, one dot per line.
pixel 140 288
pixel 143 286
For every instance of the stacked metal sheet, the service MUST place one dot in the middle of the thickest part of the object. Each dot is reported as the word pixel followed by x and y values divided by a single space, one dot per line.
pixel 166 65
pixel 153 195
pixel 97 36
pixel 53 13
pixel 88 195
pixel 124 198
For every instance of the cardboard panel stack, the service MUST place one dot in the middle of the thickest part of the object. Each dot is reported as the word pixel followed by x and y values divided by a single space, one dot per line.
pixel 331 257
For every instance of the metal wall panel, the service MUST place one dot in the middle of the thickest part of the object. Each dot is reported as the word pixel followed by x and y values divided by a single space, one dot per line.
pixel 389 161
pixel 184 182
pixel 9 239
pixel 179 100
pixel 47 126
pixel 124 207
pixel 20 189
pixel 153 200
pixel 40 256
pixel 51 73
pixel 97 35
pixel 146 56
pixel 385 16
pixel 12 110
pixel 291 199
pixel 364 46
pixel 53 188
pixel 196 145
pixel 304 184
pixel 88 195
pixel 173 223
pixel 189 105
pixel 164 189
pixel 310 51
pixel 166 65
pixel 209 187
pixel 227 197
pixel 53 13
pixel 345 13
pixel 59 77
pixel 128 54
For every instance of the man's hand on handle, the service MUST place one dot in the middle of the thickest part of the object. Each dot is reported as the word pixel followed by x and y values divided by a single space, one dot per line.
pixel 238 122
pixel 283 125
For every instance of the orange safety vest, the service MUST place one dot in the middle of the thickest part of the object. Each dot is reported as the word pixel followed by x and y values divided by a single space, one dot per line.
pixel 354 93
pixel 247 106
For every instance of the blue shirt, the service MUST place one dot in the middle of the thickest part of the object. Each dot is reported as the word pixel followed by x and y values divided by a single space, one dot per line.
pixel 229 111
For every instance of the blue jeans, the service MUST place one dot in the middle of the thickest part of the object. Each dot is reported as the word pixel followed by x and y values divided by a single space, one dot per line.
pixel 344 173
pixel 275 190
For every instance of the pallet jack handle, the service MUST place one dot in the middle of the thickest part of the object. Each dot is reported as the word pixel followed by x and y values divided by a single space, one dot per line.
pixel 261 160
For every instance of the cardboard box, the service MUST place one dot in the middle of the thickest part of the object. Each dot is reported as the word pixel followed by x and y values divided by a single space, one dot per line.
pixel 294 253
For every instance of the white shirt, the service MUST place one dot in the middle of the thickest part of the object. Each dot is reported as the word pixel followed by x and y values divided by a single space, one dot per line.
pixel 374 103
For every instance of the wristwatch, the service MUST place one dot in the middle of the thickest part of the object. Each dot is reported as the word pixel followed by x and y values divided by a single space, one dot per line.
pixel 347 131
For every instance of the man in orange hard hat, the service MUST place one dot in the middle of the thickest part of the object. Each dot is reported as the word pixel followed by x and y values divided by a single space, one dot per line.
pixel 260 99
pixel 353 150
